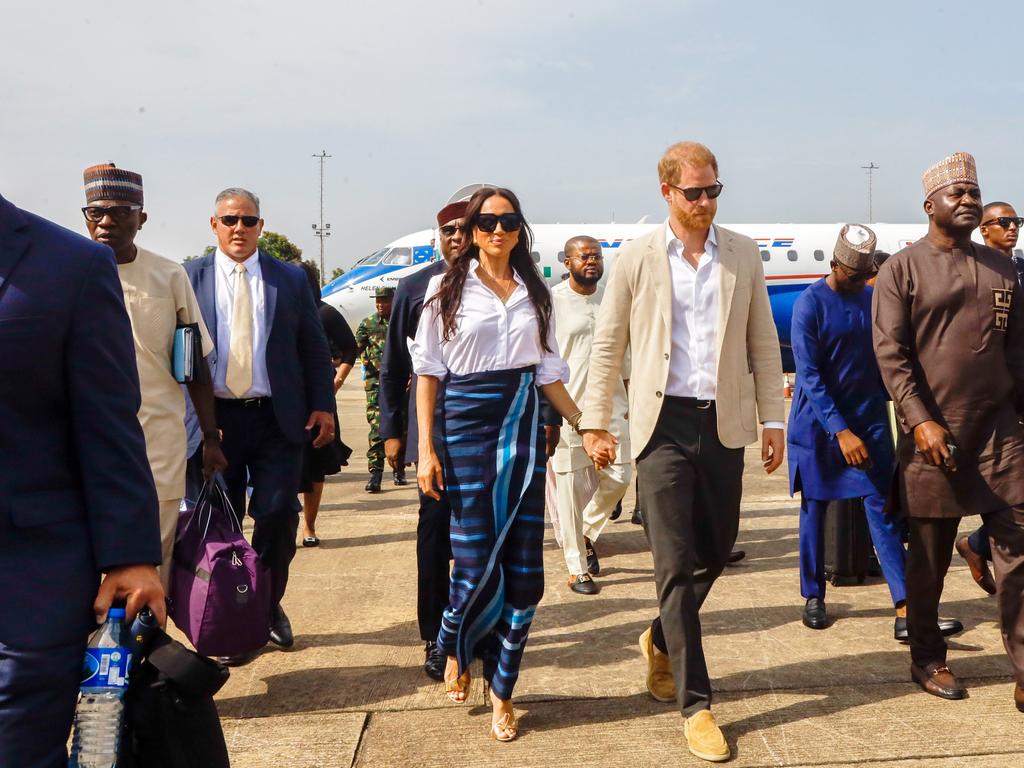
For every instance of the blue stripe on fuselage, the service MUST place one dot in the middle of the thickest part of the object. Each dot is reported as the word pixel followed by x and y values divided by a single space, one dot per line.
pixel 360 275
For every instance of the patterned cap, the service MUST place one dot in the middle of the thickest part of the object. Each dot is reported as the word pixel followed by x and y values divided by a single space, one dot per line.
pixel 108 182
pixel 856 247
pixel 451 212
pixel 958 168
pixel 384 292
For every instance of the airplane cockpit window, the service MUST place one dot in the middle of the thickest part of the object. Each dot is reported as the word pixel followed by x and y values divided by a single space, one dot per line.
pixel 536 257
pixel 561 257
pixel 399 256
pixel 819 255
pixel 765 255
pixel 373 258
pixel 1018 253
pixel 791 255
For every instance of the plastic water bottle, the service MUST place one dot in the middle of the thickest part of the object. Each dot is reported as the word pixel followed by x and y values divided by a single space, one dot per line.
pixel 98 718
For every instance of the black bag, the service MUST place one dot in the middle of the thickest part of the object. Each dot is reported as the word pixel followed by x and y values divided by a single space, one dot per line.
pixel 170 718
pixel 848 547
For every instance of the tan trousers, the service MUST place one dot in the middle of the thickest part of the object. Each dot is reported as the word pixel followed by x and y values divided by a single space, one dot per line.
pixel 169 511
pixel 584 511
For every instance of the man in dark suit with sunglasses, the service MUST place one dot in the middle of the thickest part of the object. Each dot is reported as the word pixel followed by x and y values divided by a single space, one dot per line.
pixel 273 381
pixel 77 497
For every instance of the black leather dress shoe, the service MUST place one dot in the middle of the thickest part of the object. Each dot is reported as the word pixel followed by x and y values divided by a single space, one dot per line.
pixel 373 484
pixel 583 584
pixel 946 626
pixel 593 564
pixel 814 613
pixel 399 477
pixel 736 555
pixel 617 512
pixel 434 662
pixel 237 661
pixel 637 518
pixel 280 628
pixel 936 679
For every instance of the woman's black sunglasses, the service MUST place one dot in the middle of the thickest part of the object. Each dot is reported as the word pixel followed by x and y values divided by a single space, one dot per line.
pixel 488 222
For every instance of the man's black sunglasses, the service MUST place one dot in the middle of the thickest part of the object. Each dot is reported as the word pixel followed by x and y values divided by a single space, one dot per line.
pixel 1005 221
pixel 448 230
pixel 95 213
pixel 247 221
pixel 488 222
pixel 693 194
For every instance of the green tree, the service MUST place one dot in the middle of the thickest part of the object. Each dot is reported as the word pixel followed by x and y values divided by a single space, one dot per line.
pixel 206 252
pixel 338 272
pixel 279 246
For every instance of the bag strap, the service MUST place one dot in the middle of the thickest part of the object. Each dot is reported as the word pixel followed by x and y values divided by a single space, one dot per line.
pixel 192 673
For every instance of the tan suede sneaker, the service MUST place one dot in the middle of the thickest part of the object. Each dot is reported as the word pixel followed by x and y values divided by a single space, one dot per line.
pixel 660 682
pixel 704 737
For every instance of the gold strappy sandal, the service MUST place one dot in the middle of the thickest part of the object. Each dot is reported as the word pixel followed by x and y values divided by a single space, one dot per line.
pixel 456 688
pixel 506 729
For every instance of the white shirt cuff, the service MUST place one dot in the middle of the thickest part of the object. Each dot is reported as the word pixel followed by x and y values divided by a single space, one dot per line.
pixel 773 425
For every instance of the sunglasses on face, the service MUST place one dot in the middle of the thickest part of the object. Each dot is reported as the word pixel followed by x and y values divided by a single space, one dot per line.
pixel 95 213
pixel 1005 221
pixel 448 230
pixel 247 221
pixel 488 222
pixel 692 194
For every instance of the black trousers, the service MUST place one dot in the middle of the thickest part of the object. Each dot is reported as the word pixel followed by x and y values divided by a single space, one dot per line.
pixel 259 455
pixel 690 487
pixel 433 553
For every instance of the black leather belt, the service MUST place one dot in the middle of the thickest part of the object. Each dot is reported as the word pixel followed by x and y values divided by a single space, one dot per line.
pixel 248 402
pixel 693 402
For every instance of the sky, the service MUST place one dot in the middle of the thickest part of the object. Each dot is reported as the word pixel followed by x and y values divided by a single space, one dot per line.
pixel 568 103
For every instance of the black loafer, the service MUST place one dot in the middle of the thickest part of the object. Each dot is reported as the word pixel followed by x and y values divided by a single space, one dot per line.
pixel 434 663
pixel 814 613
pixel 238 660
pixel 946 626
pixel 736 555
pixel 593 564
pixel 311 541
pixel 583 584
pixel 281 629
pixel 399 477
pixel 617 512
pixel 637 518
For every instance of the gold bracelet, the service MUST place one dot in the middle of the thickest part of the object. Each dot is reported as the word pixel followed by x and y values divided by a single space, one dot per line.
pixel 574 421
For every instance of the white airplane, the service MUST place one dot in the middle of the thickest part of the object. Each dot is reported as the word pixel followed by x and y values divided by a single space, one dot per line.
pixel 794 256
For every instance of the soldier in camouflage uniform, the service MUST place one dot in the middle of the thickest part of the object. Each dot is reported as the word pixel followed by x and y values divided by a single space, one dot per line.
pixel 370 338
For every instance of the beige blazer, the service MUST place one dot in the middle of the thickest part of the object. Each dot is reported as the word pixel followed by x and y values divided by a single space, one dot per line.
pixel 637 311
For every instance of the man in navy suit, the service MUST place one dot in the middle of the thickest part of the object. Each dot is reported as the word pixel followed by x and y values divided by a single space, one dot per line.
pixel 77 498
pixel 272 379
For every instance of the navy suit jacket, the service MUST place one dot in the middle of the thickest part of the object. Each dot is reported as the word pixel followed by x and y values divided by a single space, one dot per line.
pixel 298 356
pixel 76 492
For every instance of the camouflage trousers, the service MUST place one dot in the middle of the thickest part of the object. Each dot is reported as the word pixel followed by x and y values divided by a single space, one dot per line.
pixel 375 452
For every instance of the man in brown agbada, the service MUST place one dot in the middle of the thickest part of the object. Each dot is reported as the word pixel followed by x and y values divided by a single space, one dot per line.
pixel 949 335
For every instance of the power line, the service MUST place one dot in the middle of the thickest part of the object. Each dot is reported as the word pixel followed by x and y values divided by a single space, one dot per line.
pixel 323 230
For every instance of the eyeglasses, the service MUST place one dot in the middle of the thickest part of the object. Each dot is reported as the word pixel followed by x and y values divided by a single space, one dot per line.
pixel 585 257
pixel 95 213
pixel 692 194
pixel 488 222
pixel 247 221
pixel 1005 221
pixel 448 230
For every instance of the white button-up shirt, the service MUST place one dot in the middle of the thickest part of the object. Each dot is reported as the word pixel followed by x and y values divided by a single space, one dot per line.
pixel 225 293
pixel 693 367
pixel 489 335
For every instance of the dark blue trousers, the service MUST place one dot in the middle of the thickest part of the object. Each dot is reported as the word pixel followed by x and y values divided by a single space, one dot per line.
pixel 38 690
pixel 980 543
pixel 259 455
pixel 885 535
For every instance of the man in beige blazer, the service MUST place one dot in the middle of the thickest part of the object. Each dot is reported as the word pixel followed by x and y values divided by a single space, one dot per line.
pixel 690 301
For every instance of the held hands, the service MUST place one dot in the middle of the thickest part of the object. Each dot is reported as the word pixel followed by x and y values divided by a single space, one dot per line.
pixel 773 449
pixel 393 452
pixel 600 447
pixel 138 585
pixel 854 450
pixel 324 420
pixel 936 445
pixel 429 474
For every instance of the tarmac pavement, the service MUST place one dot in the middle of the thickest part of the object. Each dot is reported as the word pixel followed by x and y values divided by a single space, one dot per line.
pixel 352 692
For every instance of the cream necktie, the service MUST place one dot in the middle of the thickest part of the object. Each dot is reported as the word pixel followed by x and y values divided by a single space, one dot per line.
pixel 239 375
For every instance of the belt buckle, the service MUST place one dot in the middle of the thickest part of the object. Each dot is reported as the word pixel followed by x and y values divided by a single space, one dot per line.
pixel 252 402
pixel 703 405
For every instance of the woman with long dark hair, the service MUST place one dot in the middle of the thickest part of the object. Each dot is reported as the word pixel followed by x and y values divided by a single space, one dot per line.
pixel 487 333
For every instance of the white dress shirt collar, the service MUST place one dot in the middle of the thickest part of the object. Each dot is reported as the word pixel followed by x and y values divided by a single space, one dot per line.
pixel 227 264
pixel 675 245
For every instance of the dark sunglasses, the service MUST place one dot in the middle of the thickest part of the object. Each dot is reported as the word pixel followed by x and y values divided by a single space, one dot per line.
pixel 1005 221
pixel 488 222
pixel 693 194
pixel 448 230
pixel 247 221
pixel 95 213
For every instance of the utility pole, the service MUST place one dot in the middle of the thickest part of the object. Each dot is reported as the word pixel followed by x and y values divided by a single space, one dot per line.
pixel 870 168
pixel 323 230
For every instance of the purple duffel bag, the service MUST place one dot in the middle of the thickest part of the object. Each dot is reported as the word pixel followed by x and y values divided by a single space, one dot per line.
pixel 220 592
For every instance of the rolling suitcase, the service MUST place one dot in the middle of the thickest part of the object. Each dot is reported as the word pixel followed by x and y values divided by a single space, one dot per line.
pixel 848 547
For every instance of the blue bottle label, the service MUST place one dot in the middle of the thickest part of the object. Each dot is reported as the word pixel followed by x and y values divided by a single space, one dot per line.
pixel 106 668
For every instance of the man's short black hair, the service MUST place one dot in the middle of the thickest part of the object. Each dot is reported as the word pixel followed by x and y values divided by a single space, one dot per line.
pixel 989 206
pixel 576 241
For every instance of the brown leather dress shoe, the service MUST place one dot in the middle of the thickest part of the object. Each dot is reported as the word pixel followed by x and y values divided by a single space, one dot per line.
pixel 937 680
pixel 977 564
pixel 1018 697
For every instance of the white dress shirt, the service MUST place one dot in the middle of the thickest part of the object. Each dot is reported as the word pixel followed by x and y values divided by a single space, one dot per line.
pixel 489 336
pixel 225 277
